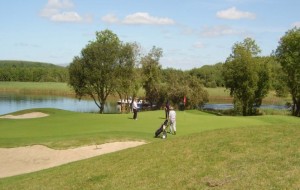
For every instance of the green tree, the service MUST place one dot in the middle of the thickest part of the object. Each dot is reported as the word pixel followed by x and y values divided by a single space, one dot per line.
pixel 245 76
pixel 210 75
pixel 26 71
pixel 151 74
pixel 264 79
pixel 288 54
pixel 95 72
pixel 179 84
pixel 128 80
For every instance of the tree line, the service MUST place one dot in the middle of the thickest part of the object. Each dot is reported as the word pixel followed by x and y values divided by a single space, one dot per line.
pixel 25 71
pixel 107 66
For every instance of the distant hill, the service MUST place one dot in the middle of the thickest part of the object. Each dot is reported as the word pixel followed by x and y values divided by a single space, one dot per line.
pixel 27 71
pixel 5 63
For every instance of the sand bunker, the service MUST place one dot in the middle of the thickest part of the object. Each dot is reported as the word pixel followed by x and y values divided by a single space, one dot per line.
pixel 25 116
pixel 14 161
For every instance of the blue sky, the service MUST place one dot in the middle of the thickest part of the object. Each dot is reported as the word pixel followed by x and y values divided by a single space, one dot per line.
pixel 192 33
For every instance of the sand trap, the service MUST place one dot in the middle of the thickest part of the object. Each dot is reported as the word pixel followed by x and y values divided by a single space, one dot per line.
pixel 14 161
pixel 25 116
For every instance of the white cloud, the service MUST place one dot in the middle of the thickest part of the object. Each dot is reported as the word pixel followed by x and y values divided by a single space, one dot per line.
pixel 219 31
pixel 59 4
pixel 110 18
pixel 296 24
pixel 145 18
pixel 66 17
pixel 58 11
pixel 233 13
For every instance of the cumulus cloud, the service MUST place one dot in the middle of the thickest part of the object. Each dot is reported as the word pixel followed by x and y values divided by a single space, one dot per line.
pixel 216 31
pixel 66 17
pixel 145 18
pixel 138 18
pixel 296 24
pixel 110 18
pixel 60 4
pixel 233 13
pixel 60 11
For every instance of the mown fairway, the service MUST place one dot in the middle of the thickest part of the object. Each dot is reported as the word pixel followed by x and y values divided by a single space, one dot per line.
pixel 222 152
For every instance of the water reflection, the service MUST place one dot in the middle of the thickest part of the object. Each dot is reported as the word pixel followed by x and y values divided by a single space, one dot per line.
pixel 15 102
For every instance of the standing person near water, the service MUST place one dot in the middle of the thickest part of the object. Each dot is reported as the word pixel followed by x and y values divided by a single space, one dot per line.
pixel 134 108
pixel 167 109
pixel 172 120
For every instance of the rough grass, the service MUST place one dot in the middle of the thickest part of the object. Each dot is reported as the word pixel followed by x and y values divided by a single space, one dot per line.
pixel 261 157
pixel 44 88
pixel 36 88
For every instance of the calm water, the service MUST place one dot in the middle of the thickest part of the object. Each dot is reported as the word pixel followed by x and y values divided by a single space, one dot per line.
pixel 12 102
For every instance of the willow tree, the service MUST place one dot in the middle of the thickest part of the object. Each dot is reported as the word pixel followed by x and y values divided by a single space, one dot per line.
pixel 288 54
pixel 95 72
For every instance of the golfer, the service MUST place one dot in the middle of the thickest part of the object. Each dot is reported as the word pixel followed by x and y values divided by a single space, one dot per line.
pixel 172 119
pixel 135 109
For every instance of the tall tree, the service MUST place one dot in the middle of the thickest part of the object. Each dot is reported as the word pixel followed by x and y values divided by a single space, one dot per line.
pixel 128 80
pixel 95 72
pixel 244 77
pixel 288 54
pixel 211 75
pixel 179 84
pixel 151 72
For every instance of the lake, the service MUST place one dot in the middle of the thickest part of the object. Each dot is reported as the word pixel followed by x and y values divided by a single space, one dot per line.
pixel 15 102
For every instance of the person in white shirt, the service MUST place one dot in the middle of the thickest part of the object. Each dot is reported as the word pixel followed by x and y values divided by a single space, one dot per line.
pixel 135 109
pixel 172 119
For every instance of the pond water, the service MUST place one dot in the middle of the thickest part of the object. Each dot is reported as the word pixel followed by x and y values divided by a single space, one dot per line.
pixel 15 102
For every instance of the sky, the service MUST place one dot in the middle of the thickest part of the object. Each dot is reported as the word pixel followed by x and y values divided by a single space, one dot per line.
pixel 191 33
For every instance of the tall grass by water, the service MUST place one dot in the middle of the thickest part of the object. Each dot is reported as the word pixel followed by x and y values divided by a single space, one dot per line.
pixel 219 152
pixel 222 95
pixel 37 88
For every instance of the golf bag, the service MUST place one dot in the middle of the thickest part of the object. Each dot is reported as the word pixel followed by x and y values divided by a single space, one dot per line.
pixel 162 129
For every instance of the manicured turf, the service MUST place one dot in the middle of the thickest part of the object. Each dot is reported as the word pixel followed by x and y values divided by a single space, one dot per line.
pixel 219 152
pixel 65 128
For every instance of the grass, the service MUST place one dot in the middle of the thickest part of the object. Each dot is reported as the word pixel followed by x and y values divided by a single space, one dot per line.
pixel 64 129
pixel 219 152
pixel 221 95
pixel 36 88
pixel 44 88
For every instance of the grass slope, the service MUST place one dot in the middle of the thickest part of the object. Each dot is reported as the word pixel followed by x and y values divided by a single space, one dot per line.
pixel 209 151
